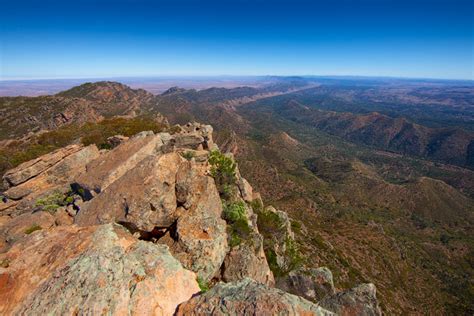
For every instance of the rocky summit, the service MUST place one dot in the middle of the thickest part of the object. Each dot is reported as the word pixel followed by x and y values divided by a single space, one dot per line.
pixel 156 224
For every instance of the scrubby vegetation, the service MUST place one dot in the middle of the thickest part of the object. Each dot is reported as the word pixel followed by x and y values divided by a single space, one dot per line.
pixel 272 228
pixel 54 201
pixel 223 171
pixel 235 215
pixel 203 285
pixel 188 155
pixel 32 229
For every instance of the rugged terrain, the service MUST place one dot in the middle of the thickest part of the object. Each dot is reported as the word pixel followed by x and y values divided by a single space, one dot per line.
pixel 376 180
pixel 158 224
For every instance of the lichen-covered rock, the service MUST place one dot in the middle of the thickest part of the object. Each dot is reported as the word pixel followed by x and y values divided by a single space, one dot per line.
pixel 115 163
pixel 20 226
pixel 144 197
pixel 32 168
pixel 275 227
pixel 200 244
pixel 248 297
pixel 247 261
pixel 245 188
pixel 312 284
pixel 358 301
pixel 52 172
pixel 199 239
pixel 91 271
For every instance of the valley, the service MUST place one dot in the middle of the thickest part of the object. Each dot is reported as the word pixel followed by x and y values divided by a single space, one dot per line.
pixel 376 175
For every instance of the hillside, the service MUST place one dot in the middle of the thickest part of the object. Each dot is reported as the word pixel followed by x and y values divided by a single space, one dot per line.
pixel 376 197
pixel 160 223
pixel 90 102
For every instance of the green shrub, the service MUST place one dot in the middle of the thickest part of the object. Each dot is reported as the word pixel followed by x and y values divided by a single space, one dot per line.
pixel 269 224
pixel 188 155
pixel 33 228
pixel 238 225
pixel 203 285
pixel 257 206
pixel 54 201
pixel 222 170
pixel 272 262
pixel 234 239
pixel 292 255
pixel 296 226
pixel 234 212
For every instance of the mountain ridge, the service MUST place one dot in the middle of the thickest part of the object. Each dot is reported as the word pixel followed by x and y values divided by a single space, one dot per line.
pixel 355 195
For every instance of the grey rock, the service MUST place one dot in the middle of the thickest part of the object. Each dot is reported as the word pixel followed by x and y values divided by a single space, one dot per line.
pixel 32 168
pixel 360 301
pixel 93 271
pixel 312 284
pixel 248 297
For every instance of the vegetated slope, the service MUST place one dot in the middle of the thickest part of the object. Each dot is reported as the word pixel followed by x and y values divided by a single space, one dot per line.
pixel 406 237
pixel 368 214
pixel 452 146
pixel 432 105
pixel 156 223
pixel 89 102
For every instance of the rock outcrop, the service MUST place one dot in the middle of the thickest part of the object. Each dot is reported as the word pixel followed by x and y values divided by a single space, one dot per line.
pixel 247 259
pixel 21 226
pixel 312 284
pixel 92 270
pixel 47 174
pixel 361 300
pixel 248 297
pixel 138 229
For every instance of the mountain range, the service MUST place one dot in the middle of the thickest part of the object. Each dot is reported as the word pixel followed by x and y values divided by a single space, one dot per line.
pixel 377 177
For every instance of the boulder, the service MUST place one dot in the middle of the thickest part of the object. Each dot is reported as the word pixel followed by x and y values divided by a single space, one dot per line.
pixel 116 140
pixel 199 239
pixel 192 141
pixel 358 301
pixel 115 163
pixel 245 261
pixel 248 297
pixel 312 284
pixel 203 131
pixel 143 197
pixel 56 178
pixel 32 168
pixel 245 188
pixel 23 225
pixel 62 217
pixel 90 271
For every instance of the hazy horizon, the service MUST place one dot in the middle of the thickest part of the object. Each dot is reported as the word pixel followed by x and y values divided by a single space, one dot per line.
pixel 109 39
pixel 159 84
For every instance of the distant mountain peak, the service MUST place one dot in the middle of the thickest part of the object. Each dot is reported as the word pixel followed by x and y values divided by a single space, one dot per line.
pixel 103 91
pixel 173 90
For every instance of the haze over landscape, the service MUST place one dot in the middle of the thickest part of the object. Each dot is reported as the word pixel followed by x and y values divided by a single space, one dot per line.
pixel 90 39
pixel 237 157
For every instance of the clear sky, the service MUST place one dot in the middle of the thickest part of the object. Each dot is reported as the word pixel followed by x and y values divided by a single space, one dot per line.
pixel 68 39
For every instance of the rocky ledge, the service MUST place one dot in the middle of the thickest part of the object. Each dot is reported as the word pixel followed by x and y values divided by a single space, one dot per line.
pixel 159 224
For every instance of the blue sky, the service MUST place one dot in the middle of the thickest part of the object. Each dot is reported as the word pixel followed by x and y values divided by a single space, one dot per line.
pixel 72 39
